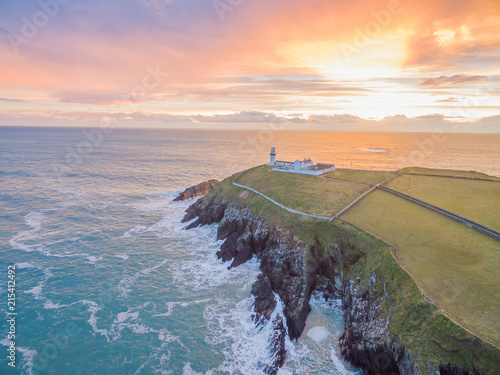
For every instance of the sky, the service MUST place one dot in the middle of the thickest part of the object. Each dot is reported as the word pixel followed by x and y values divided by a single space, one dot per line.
pixel 361 65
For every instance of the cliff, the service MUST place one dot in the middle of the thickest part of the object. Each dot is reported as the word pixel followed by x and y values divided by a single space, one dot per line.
pixel 387 322
pixel 197 190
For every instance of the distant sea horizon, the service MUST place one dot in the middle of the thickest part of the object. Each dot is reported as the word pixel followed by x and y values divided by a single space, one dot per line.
pixel 265 126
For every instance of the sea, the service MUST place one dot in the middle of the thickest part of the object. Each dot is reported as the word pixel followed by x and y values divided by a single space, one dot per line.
pixel 107 281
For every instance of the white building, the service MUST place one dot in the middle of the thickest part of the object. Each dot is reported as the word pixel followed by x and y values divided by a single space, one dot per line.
pixel 305 166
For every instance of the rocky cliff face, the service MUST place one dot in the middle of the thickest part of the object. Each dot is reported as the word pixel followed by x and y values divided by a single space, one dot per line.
pixel 282 261
pixel 293 270
pixel 365 341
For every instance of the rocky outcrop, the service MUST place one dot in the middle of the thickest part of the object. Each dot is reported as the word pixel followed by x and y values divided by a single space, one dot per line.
pixel 365 341
pixel 276 347
pixel 197 190
pixel 282 260
pixel 205 215
pixel 264 299
pixel 293 270
pixel 449 369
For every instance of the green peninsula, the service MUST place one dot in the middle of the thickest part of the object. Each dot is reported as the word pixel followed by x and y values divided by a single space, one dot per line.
pixel 435 278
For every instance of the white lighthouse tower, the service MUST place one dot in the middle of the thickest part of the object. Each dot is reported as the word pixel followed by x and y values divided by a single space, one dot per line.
pixel 272 161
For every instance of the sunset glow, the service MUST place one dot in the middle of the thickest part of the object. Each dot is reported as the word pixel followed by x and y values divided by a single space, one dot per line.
pixel 240 64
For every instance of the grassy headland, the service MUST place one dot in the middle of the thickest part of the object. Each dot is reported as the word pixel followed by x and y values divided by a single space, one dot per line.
pixel 452 263
pixel 303 193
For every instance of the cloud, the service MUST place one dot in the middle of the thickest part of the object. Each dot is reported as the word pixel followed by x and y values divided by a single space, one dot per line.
pixel 265 56
pixel 242 117
pixel 88 97
pixel 256 120
pixel 448 100
pixel 458 79
pixel 11 100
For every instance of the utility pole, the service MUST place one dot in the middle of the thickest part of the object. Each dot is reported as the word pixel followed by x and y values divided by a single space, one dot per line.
pixel 409 183
pixel 484 213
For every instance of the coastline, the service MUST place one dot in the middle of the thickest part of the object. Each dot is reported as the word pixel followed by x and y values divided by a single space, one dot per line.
pixel 341 261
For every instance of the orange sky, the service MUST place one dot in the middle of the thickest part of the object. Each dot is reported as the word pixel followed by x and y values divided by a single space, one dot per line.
pixel 339 65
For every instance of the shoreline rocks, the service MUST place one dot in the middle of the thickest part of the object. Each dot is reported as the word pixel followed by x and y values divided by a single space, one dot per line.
pixel 197 190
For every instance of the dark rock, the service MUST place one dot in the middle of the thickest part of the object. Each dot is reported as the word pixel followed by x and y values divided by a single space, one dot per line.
pixel 365 340
pixel 277 346
pixel 244 248
pixel 228 248
pixel 211 213
pixel 197 190
pixel 449 369
pixel 264 299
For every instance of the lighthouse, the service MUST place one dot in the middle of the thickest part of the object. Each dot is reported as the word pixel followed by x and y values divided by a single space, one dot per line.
pixel 272 160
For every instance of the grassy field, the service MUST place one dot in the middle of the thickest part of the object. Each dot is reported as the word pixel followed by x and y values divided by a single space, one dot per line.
pixel 468 198
pixel 449 173
pixel 456 266
pixel 366 177
pixel 418 325
pixel 303 193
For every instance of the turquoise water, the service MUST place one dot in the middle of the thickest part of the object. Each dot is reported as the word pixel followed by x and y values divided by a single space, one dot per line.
pixel 107 280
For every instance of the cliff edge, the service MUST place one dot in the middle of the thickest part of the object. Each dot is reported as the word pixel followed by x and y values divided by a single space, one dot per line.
pixel 389 327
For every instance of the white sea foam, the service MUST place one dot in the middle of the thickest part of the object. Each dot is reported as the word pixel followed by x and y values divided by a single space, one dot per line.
pixel 49 305
pixel 171 305
pixel 203 271
pixel 19 240
pixel 121 317
pixel 151 206
pixel 93 259
pixel 138 229
pixel 24 265
pixel 339 365
pixel 126 283
pixel 374 149
pixel 245 346
pixel 166 337
pixel 34 220
pixel 37 290
pixel 318 344
pixel 93 308
pixel 187 370
pixel 27 359
pixel 318 334
pixel 121 256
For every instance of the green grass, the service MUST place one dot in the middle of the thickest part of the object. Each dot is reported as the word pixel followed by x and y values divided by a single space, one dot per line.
pixel 449 173
pixel 366 177
pixel 468 198
pixel 456 266
pixel 303 193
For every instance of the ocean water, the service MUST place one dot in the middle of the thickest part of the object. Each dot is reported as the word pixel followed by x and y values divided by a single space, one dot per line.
pixel 107 280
